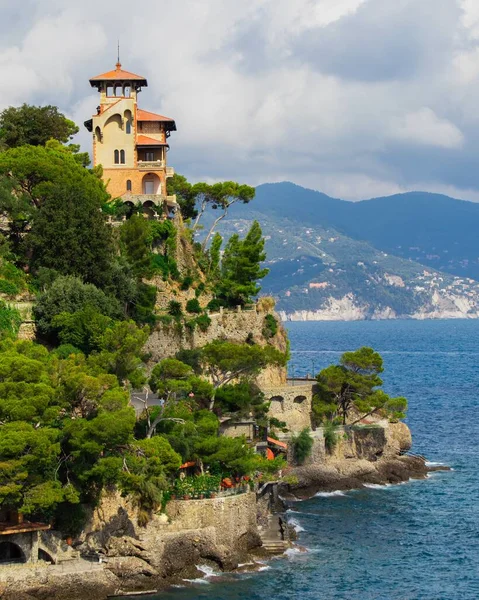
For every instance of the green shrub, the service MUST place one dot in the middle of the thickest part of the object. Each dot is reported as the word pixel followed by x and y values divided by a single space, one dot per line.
pixel 10 320
pixel 330 436
pixel 190 325
pixel 302 446
pixel 174 308
pixel 270 328
pixel 203 322
pixel 214 305
pixel 164 319
pixel 193 306
pixel 187 282
pixel 9 288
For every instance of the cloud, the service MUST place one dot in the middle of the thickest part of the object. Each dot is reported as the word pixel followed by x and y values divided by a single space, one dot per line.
pixel 355 97
pixel 425 127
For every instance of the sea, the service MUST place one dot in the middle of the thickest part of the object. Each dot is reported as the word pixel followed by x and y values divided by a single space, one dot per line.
pixel 415 541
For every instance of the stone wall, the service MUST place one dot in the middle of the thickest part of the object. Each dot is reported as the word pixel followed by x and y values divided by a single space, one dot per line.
pixel 234 326
pixel 232 517
pixel 291 404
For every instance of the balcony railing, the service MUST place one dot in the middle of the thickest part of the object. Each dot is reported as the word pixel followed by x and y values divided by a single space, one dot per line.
pixel 151 165
pixel 170 171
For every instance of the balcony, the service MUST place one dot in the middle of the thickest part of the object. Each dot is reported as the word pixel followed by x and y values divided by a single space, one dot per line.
pixel 170 171
pixel 156 199
pixel 151 165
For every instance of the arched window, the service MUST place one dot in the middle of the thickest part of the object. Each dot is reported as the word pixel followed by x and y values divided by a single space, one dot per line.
pixel 128 127
pixel 128 185
pixel 122 157
pixel 118 91
pixel 127 91
pixel 117 157
pixel 109 90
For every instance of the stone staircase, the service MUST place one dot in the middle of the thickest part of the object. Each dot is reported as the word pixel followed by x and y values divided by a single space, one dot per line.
pixel 270 533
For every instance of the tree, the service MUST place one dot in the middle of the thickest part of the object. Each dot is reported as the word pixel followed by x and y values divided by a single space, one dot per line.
pixel 195 199
pixel 241 268
pixel 69 234
pixel 353 384
pixel 34 126
pixel 45 188
pixel 224 362
pixel 70 295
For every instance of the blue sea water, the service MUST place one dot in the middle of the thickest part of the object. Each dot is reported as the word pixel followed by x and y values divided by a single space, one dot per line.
pixel 416 541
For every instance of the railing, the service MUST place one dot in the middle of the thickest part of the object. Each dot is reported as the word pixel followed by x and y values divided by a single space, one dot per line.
pixel 151 164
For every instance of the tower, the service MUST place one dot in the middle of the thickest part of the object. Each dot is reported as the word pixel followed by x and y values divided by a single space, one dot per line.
pixel 130 143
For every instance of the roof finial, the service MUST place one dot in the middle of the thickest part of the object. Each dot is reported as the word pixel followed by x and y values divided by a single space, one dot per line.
pixel 118 63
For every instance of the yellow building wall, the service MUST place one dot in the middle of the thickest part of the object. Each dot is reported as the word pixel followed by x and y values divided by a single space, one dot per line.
pixel 116 179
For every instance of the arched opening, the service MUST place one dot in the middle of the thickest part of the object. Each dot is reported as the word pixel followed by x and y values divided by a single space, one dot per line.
pixel 116 157
pixel 130 207
pixel 43 555
pixel 277 403
pixel 122 157
pixel 128 121
pixel 149 210
pixel 151 184
pixel 10 552
pixel 109 91
pixel 114 119
pixel 98 134
pixel 299 399
pixel 118 90
pixel 127 90
pixel 128 185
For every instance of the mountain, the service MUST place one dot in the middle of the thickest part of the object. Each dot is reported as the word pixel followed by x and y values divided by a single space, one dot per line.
pixel 432 229
pixel 319 272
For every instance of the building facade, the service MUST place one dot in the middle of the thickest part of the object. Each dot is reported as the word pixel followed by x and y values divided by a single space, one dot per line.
pixel 131 144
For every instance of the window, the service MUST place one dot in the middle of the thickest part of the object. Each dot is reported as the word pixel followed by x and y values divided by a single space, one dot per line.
pixel 150 156
pixel 128 185
pixel 117 157
pixel 128 127
pixel 127 91
pixel 122 157
pixel 109 90
pixel 118 91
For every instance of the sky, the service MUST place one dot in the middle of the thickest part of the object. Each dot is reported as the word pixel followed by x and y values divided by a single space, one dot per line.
pixel 355 98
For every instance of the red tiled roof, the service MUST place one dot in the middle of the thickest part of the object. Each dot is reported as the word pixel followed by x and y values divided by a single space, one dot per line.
pixel 145 115
pixel 277 442
pixel 143 140
pixel 119 74
pixel 188 464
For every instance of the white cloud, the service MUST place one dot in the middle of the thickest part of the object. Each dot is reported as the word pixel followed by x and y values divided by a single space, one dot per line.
pixel 425 127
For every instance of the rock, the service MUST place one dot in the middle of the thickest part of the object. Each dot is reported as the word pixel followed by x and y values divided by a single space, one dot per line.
pixel 130 567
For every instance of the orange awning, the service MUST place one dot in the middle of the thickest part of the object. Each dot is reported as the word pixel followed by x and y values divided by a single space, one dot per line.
pixel 269 454
pixel 278 443
pixel 188 464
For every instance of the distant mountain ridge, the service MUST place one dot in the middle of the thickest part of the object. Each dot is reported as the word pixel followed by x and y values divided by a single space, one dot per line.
pixel 435 230
pixel 321 271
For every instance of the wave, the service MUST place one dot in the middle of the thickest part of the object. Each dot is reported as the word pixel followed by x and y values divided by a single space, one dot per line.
pixel 378 486
pixel 430 463
pixel 329 494
pixel 296 525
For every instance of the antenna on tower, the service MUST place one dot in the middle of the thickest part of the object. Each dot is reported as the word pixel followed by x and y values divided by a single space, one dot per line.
pixel 118 63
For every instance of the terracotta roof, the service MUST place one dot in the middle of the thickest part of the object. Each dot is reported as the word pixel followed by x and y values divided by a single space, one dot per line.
pixel 188 464
pixel 118 74
pixel 25 527
pixel 143 140
pixel 145 115
pixel 277 442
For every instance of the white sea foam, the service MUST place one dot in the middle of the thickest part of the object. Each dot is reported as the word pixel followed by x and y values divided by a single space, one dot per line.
pixel 198 580
pixel 264 568
pixel 296 525
pixel 430 463
pixel 207 570
pixel 378 486
pixel 330 494
pixel 245 564
pixel 294 551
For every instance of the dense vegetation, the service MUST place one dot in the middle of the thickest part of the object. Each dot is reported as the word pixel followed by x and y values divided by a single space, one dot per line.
pixel 68 428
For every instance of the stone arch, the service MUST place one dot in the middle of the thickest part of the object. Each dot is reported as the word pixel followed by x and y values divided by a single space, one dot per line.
pixel 151 184
pixel 10 552
pixel 149 209
pixel 113 120
pixel 277 404
pixel 45 556
pixel 299 399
